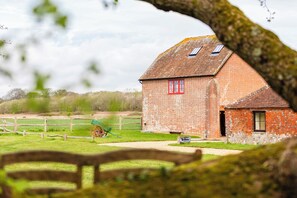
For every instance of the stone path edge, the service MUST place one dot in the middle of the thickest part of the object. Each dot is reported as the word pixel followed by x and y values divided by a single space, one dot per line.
pixel 164 145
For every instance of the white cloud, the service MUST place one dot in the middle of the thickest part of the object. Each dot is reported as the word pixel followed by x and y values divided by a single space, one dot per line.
pixel 125 40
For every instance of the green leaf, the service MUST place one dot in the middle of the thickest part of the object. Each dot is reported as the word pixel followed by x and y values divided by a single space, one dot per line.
pixel 94 68
pixel 61 21
pixel 86 83
pixel 2 43
pixel 40 80
pixel 48 8
pixel 5 72
pixel 23 58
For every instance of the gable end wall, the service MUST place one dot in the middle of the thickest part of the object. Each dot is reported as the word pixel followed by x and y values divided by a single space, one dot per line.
pixel 236 80
pixel 181 112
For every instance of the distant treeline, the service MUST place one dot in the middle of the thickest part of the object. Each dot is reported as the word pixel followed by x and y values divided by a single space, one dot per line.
pixel 19 101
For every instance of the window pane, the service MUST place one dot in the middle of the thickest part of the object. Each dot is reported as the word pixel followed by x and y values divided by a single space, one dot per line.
pixel 195 51
pixel 260 121
pixel 257 117
pixel 262 117
pixel 257 126
pixel 262 126
pixel 176 86
pixel 171 86
pixel 182 86
pixel 217 49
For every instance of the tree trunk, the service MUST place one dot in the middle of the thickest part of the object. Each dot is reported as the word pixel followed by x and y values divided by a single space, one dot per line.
pixel 262 49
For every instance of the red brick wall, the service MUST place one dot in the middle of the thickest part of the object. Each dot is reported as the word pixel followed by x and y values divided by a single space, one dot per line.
pixel 212 110
pixel 197 110
pixel 239 121
pixel 278 121
pixel 236 80
pixel 184 112
pixel 281 121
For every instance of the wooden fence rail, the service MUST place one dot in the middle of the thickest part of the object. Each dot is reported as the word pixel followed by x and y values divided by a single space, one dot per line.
pixel 80 161
pixel 16 123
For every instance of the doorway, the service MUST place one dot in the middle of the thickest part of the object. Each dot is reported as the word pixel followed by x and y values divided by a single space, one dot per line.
pixel 222 123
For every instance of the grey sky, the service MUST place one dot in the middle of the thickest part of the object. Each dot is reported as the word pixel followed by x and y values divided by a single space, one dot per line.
pixel 125 40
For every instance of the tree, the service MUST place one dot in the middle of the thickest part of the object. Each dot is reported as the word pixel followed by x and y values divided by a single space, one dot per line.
pixel 269 171
pixel 266 172
pixel 262 49
pixel 15 94
pixel 60 93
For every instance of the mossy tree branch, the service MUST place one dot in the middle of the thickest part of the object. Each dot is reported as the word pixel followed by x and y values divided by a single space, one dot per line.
pixel 268 171
pixel 262 49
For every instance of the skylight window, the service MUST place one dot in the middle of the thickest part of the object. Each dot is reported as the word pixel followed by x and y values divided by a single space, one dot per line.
pixel 195 51
pixel 218 49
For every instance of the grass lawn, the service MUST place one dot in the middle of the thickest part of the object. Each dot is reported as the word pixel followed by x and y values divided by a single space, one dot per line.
pixel 63 124
pixel 13 143
pixel 124 136
pixel 131 128
pixel 207 157
pixel 117 136
pixel 135 136
pixel 218 145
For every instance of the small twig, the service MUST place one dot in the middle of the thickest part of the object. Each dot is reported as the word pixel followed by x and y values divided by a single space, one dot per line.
pixel 3 27
pixel 271 13
pixel 7 42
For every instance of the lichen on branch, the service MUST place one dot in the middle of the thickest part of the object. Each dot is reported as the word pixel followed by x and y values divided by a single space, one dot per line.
pixel 268 171
pixel 262 49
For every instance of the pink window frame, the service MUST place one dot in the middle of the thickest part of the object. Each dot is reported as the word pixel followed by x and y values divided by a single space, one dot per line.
pixel 179 86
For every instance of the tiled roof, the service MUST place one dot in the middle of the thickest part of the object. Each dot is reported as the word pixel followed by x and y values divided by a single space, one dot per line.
pixel 262 98
pixel 176 62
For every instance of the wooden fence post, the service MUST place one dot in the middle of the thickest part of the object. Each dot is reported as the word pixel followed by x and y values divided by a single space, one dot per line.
pixel 15 125
pixel 96 174
pixel 79 177
pixel 71 124
pixel 120 123
pixel 4 128
pixel 42 135
pixel 45 124
pixel 65 137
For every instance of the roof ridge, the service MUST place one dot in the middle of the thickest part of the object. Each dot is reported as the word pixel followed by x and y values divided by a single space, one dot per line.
pixel 176 62
pixel 212 36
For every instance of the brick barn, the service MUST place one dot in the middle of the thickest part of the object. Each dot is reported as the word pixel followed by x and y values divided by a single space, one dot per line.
pixel 187 87
pixel 261 117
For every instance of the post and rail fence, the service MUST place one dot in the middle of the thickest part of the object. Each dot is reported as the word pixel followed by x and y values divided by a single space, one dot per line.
pixel 46 124
pixel 81 161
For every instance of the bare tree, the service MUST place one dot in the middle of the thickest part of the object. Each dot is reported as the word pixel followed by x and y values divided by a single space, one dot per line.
pixel 15 94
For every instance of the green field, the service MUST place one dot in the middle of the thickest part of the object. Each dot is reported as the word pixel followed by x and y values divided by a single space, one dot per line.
pixel 117 136
pixel 78 125
pixel 13 143
pixel 218 145
pixel 82 127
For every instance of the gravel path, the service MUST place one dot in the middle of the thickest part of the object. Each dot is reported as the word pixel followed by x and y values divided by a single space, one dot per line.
pixel 163 145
